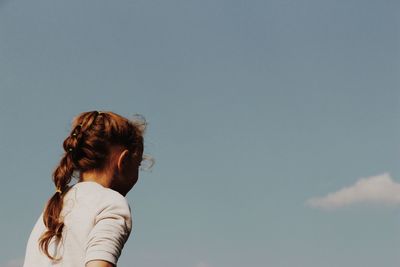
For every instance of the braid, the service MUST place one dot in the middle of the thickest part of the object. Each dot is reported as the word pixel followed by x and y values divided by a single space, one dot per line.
pixel 62 176
pixel 51 217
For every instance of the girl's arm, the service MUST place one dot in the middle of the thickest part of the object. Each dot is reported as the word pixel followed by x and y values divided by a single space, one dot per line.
pixel 112 226
pixel 97 263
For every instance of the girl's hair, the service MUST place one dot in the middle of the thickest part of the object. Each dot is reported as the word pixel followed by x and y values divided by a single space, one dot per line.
pixel 87 148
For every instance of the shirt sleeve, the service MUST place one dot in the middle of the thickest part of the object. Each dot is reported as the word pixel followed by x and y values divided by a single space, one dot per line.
pixel 112 227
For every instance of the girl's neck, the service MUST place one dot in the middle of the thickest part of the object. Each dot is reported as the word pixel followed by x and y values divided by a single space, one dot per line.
pixel 100 178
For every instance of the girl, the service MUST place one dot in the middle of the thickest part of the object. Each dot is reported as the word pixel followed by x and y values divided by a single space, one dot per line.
pixel 88 223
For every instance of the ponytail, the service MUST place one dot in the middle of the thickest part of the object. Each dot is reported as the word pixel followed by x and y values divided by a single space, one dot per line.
pixel 51 216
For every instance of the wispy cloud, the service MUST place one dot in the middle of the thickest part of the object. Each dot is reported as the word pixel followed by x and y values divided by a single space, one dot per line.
pixel 380 189
pixel 13 263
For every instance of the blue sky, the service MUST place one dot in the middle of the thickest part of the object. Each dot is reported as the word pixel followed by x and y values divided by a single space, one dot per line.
pixel 274 124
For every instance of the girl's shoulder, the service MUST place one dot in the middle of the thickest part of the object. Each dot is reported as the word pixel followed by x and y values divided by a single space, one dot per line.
pixel 90 188
pixel 98 197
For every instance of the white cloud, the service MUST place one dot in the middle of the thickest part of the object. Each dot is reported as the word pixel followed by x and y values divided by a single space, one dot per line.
pixel 13 263
pixel 380 189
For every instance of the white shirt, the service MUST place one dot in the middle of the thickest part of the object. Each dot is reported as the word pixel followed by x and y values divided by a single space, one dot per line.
pixel 97 223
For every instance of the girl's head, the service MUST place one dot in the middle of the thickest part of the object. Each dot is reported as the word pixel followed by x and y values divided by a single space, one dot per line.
pixel 102 144
pixel 103 147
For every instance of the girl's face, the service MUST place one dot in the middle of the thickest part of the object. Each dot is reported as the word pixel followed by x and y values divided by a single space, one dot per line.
pixel 129 171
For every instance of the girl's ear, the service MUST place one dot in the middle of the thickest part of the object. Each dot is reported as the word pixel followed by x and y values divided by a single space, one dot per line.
pixel 123 159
